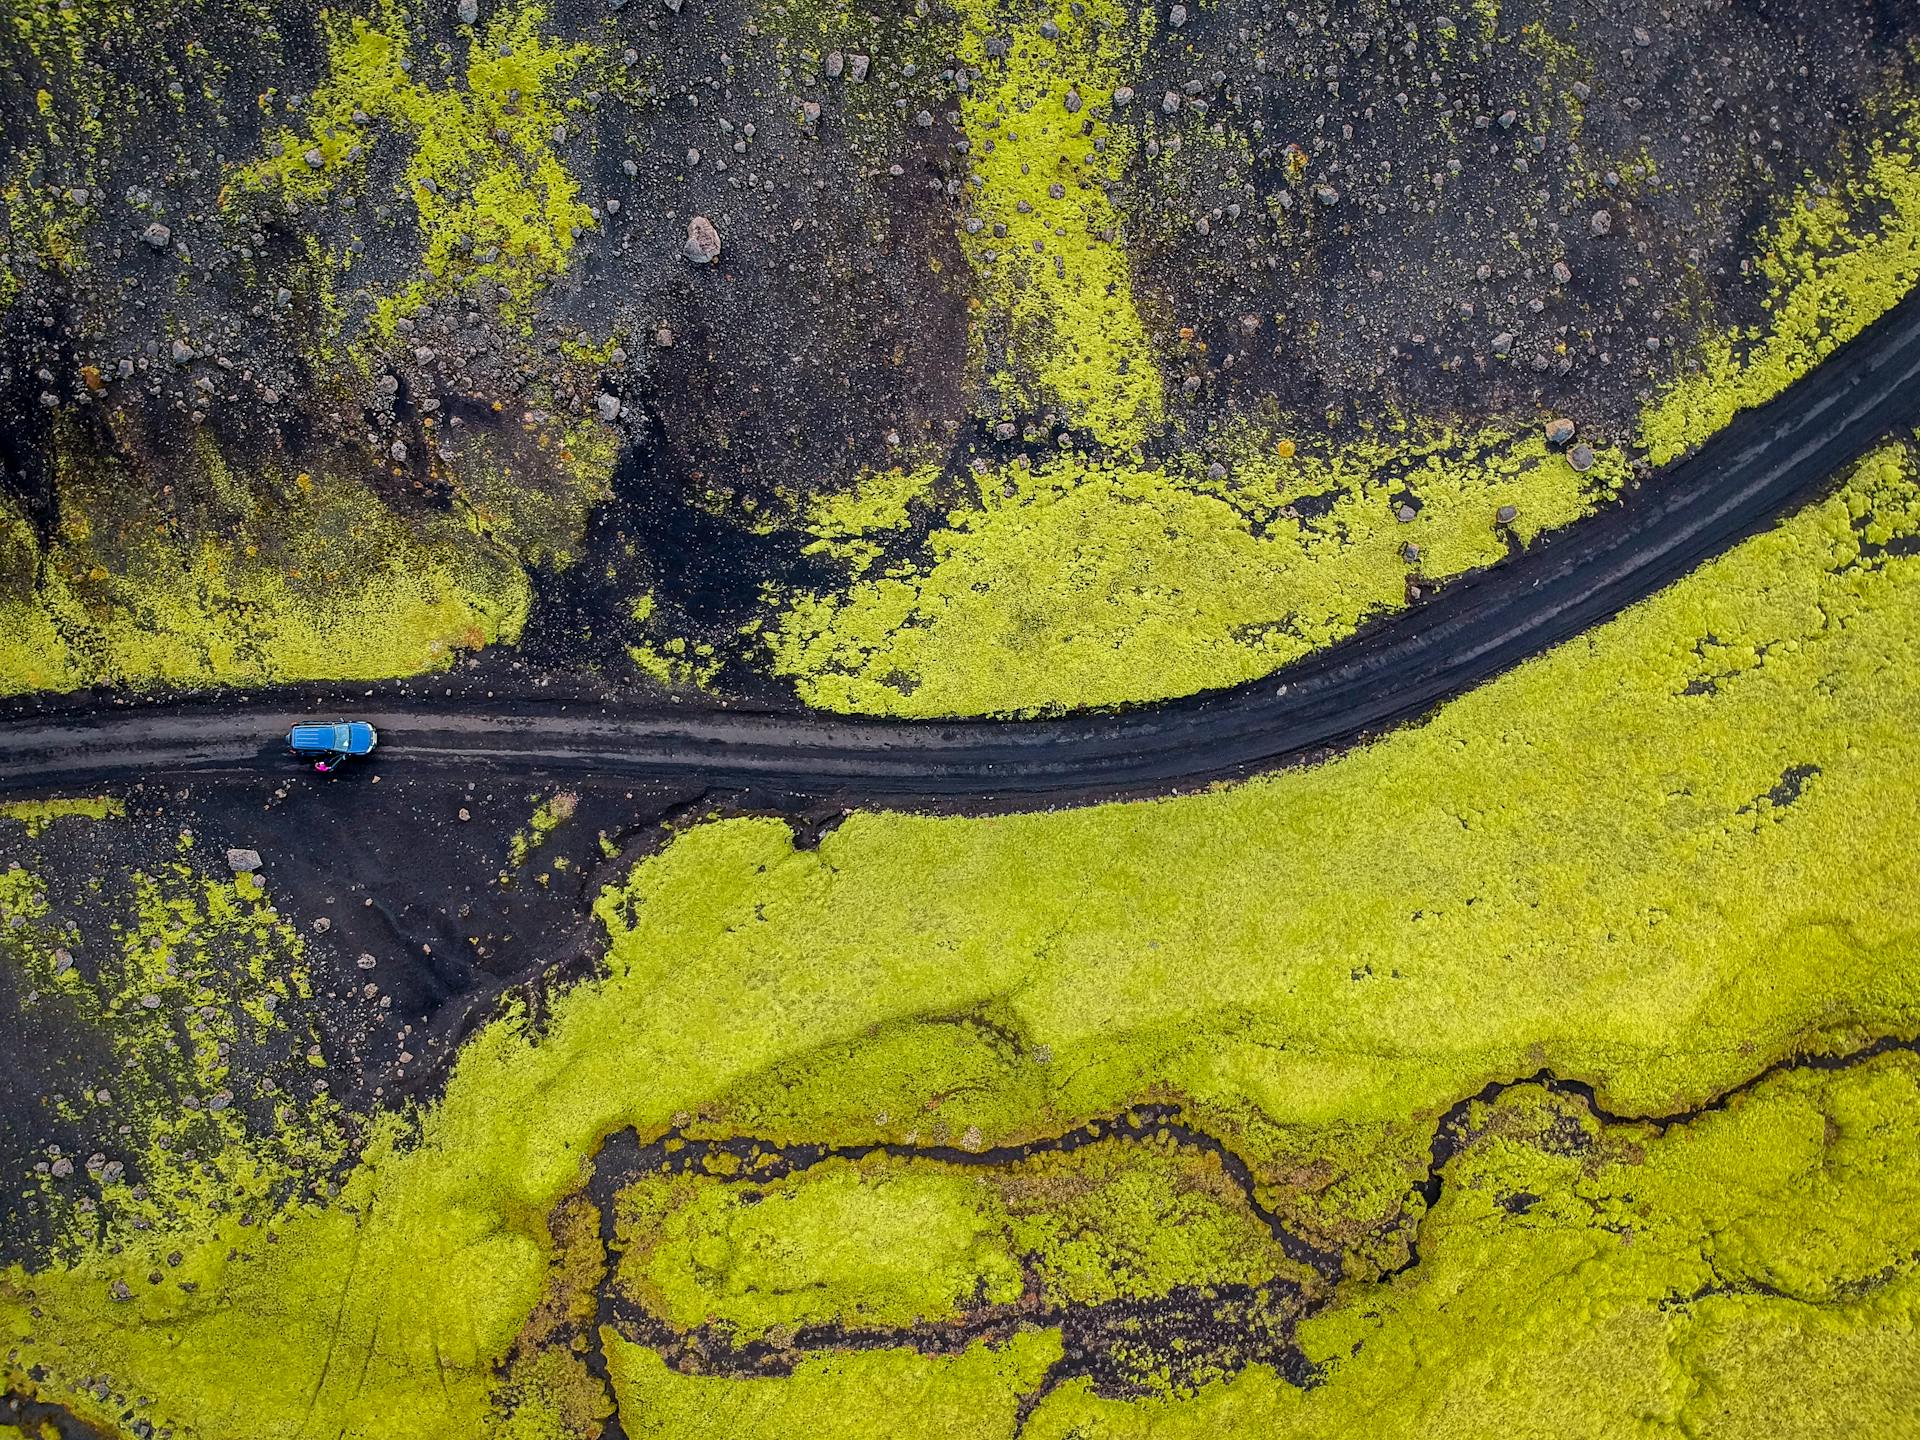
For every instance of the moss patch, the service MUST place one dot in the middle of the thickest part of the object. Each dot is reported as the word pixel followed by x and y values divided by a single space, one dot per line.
pixel 37 815
pixel 1591 866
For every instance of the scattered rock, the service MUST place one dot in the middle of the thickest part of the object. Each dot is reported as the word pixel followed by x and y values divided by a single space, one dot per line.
pixel 1506 514
pixel 1170 103
pixel 243 862
pixel 316 157
pixel 1410 552
pixel 1326 195
pixel 157 235
pixel 1581 458
pixel 1601 223
pixel 1123 96
pixel 1503 343
pixel 836 64
pixel 1405 514
pixel 1559 430
pixel 181 352
pixel 119 1291
pixel 398 451
pixel 1073 102
pixel 703 241
pixel 366 961
pixel 468 11
pixel 1216 471
pixel 1562 272
pixel 609 407
pixel 857 68
pixel 1177 16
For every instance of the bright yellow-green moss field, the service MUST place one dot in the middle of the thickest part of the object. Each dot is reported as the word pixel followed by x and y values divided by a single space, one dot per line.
pixel 1671 861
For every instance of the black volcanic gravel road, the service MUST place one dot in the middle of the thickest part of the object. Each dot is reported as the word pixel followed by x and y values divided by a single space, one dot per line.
pixel 1763 464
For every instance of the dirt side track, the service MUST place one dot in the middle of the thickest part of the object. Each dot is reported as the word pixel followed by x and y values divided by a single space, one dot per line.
pixel 1763 464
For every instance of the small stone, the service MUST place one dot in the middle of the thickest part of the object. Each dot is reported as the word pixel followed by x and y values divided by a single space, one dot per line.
pixel 181 352
pixel 150 1001
pixel 316 157
pixel 366 961
pixel 157 235
pixel 703 241
pixel 1503 343
pixel 1641 37
pixel 1559 431
pixel 663 337
pixel 1005 430
pixel 1170 103
pixel 468 11
pixel 1123 96
pixel 1506 514
pixel 220 1100
pixel 1326 195
pixel 1562 272
pixel 1405 514
pixel 465 814
pixel 322 925
pixel 836 64
pixel 62 1168
pixel 857 68
pixel 1601 223
pixel 1507 117
pixel 1216 471
pixel 1177 16
pixel 693 156
pixel 609 406
pixel 1073 102
pixel 398 450
pixel 1581 458
pixel 1410 552
pixel 119 1291
pixel 243 862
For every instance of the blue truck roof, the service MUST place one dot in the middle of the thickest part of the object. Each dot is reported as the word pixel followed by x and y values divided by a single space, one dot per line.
pixel 353 738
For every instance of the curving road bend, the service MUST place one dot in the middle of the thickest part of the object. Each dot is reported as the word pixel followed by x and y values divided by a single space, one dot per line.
pixel 1763 464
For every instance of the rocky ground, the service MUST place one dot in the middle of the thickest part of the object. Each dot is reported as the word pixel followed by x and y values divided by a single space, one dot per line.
pixel 477 273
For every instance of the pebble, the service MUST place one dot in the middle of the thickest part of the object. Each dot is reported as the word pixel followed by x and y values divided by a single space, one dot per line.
pixel 181 352
pixel 609 407
pixel 157 235
pixel 1123 96
pixel 1506 514
pixel 1405 514
pixel 243 862
pixel 1503 343
pixel 836 64
pixel 1177 16
pixel 1562 272
pixel 857 68
pixel 1170 103
pixel 468 11
pixel 1073 102
pixel 1326 195
pixel 398 450
pixel 366 961
pixel 316 157
pixel 1559 430
pixel 1581 458
pixel 703 241
pixel 1601 223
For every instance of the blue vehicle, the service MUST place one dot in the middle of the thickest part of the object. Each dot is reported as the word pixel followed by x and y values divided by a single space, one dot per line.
pixel 328 745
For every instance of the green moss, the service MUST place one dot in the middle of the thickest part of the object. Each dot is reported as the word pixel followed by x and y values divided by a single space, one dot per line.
pixel 1058 328
pixel 547 817
pixel 1591 865
pixel 1085 582
pixel 37 815
pixel 321 581
pixel 492 199
pixel 1834 262
pixel 1750 1273
pixel 892 1393
pixel 193 972
pixel 871 1245
pixel 1093 581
